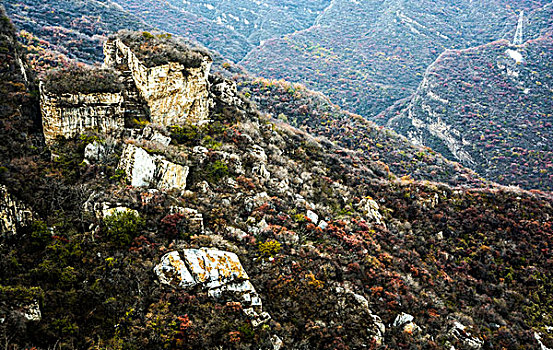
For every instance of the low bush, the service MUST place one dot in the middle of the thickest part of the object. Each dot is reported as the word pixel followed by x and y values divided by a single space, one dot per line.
pixel 158 49
pixel 122 227
pixel 82 79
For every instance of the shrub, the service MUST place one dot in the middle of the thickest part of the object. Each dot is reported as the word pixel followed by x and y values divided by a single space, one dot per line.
pixel 39 234
pixel 215 171
pixel 159 49
pixel 269 248
pixel 122 227
pixel 174 225
pixel 83 79
pixel 187 134
pixel 20 294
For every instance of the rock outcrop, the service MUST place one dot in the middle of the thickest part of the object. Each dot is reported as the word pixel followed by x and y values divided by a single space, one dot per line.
pixel 174 93
pixel 218 272
pixel 13 213
pixel 370 208
pixel 406 323
pixel 146 170
pixel 68 115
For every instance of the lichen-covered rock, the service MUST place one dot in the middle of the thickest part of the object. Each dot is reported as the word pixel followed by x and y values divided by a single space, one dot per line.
pixel 68 115
pixel 146 170
pixel 218 272
pixel 370 208
pixel 13 213
pixel 174 93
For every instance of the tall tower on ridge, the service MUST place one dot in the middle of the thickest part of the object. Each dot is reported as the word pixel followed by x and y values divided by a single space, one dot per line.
pixel 518 34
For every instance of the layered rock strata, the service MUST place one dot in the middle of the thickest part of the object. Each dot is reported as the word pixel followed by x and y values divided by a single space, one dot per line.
pixel 68 115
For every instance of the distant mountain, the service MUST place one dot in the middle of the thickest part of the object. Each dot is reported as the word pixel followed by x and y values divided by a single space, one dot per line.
pixel 365 55
pixel 73 28
pixel 490 108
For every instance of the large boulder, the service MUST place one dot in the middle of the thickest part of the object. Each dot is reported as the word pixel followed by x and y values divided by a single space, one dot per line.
pixel 147 170
pixel 218 272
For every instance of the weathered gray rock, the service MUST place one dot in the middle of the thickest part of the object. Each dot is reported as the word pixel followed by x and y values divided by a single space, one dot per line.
pixel 227 92
pixel 32 312
pixel 69 115
pixel 146 170
pixel 152 135
pixel 540 343
pixel 378 328
pixel 174 93
pixel 194 219
pixel 460 332
pixel 370 208
pixel 313 217
pixel 406 323
pixel 95 152
pixel 13 213
pixel 218 272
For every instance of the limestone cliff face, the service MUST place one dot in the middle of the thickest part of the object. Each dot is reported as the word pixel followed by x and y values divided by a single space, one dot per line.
pixel 146 170
pixel 174 93
pixel 68 115
pixel 13 213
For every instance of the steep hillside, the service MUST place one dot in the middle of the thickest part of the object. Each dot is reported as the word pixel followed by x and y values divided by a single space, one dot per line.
pixel 366 55
pixel 315 114
pixel 489 108
pixel 231 27
pixel 70 27
pixel 20 129
pixel 238 232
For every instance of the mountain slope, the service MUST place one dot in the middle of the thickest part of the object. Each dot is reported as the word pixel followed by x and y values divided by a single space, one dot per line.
pixel 337 254
pixel 489 108
pixel 73 28
pixel 314 113
pixel 366 55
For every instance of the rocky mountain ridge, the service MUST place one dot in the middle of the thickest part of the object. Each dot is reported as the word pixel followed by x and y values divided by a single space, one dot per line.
pixel 338 251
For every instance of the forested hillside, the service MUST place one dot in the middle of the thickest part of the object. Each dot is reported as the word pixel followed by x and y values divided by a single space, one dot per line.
pixel 490 108
pixel 367 55
pixel 174 212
